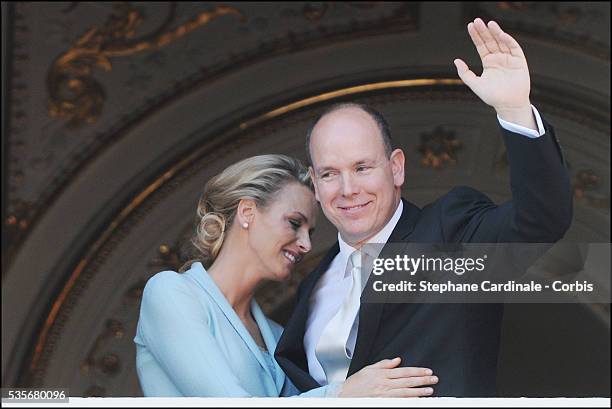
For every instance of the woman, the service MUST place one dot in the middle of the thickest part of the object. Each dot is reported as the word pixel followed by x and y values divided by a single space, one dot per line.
pixel 201 332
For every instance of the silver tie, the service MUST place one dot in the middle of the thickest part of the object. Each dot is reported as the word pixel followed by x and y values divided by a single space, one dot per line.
pixel 332 351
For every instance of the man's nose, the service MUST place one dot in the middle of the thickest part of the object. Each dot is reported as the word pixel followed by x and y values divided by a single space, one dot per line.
pixel 349 187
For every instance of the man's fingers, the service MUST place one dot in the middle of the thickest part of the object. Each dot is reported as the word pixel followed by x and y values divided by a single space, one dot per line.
pixel 466 75
pixel 407 372
pixel 497 33
pixel 409 392
pixel 386 363
pixel 488 39
pixel 413 382
pixel 477 40
pixel 515 48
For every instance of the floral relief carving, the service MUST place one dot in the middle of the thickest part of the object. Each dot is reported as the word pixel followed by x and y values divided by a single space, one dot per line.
pixel 439 147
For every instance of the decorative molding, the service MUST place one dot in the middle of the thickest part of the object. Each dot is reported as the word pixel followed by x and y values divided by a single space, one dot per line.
pixel 404 18
pixel 315 11
pixel 168 258
pixel 585 187
pixel 74 95
pixel 557 22
pixel 19 213
pixel 109 363
pixel 439 148
pixel 99 365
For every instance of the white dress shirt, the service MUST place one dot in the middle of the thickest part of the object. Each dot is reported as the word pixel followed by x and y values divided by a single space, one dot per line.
pixel 333 286
pixel 329 294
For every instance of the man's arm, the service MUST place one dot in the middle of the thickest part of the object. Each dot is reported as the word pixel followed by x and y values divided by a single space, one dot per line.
pixel 541 205
pixel 540 210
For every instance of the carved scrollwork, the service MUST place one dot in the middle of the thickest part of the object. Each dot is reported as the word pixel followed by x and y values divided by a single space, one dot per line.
pixel 74 95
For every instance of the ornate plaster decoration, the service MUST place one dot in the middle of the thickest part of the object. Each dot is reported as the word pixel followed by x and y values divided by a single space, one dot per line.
pixel 74 94
pixel 586 184
pixel 439 148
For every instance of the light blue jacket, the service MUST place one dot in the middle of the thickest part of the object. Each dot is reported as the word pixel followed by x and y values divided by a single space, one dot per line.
pixel 190 342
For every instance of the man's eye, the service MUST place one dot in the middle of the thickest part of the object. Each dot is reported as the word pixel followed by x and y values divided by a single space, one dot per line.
pixel 362 168
pixel 325 175
pixel 295 224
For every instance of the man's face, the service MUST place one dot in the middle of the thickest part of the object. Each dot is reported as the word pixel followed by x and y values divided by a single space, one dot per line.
pixel 357 185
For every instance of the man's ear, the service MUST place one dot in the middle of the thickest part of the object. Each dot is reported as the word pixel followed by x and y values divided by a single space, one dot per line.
pixel 246 211
pixel 312 177
pixel 397 160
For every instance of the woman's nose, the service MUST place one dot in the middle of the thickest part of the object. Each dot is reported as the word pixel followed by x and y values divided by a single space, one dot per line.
pixel 304 243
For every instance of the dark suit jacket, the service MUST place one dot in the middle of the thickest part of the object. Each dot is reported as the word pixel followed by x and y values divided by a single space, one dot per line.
pixel 460 342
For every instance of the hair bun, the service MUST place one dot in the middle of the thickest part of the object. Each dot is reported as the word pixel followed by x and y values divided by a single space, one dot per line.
pixel 211 232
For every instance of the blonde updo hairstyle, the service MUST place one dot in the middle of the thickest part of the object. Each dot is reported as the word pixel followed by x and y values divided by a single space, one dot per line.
pixel 258 178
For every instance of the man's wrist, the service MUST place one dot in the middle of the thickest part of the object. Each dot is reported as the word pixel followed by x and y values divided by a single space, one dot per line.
pixel 522 116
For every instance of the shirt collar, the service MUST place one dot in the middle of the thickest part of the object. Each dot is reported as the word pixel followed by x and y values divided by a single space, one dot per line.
pixel 381 237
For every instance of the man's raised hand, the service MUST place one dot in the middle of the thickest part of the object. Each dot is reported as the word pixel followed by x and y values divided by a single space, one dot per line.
pixel 504 83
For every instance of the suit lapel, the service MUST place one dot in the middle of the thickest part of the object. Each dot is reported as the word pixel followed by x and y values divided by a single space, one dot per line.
pixel 290 351
pixel 370 313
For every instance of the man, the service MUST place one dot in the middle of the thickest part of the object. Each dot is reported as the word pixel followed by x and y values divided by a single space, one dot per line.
pixel 358 178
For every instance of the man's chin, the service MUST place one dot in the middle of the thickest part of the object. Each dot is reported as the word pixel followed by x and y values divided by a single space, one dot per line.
pixel 354 237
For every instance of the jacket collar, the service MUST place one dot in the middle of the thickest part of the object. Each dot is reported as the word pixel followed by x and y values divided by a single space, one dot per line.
pixel 201 276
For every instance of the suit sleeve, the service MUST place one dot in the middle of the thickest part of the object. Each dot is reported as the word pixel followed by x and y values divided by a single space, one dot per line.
pixel 540 210
pixel 175 330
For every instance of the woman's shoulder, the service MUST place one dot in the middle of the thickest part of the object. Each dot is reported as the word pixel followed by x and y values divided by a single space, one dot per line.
pixel 165 280
pixel 169 282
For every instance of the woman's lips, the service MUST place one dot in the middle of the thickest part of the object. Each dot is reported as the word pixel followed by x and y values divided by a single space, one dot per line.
pixel 293 257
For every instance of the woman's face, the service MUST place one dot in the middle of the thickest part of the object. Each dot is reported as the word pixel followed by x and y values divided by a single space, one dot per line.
pixel 279 235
